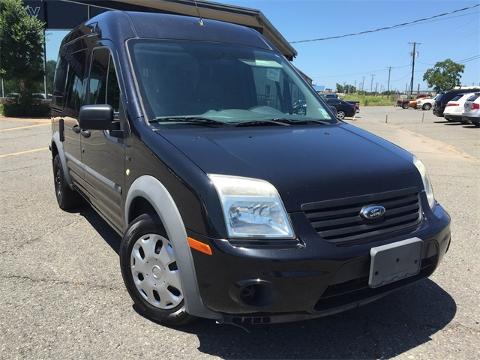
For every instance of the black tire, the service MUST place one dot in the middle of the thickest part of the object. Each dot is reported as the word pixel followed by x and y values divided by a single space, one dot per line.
pixel 405 106
pixel 426 106
pixel 143 225
pixel 67 198
pixel 340 114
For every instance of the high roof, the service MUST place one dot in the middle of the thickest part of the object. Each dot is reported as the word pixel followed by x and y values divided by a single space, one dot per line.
pixel 208 10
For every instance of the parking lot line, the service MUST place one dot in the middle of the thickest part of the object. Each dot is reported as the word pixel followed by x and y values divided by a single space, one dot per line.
pixel 22 127
pixel 23 152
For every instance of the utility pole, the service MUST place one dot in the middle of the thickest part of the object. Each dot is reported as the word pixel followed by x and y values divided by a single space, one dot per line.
pixel 376 87
pixel 363 82
pixel 388 83
pixel 355 86
pixel 418 88
pixel 414 55
pixel 371 82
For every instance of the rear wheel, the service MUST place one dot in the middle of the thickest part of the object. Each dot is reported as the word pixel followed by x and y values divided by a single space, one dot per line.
pixel 150 272
pixel 405 105
pixel 426 106
pixel 67 198
pixel 340 114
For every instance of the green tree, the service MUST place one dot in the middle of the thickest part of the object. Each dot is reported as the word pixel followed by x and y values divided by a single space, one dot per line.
pixel 21 49
pixel 50 72
pixel 445 75
pixel 340 88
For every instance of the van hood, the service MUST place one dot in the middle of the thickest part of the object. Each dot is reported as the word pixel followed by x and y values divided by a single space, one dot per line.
pixel 304 163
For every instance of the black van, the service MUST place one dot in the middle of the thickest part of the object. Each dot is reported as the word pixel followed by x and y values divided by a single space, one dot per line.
pixel 442 99
pixel 239 195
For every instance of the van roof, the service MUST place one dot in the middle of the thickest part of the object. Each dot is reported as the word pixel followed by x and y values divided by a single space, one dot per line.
pixel 122 25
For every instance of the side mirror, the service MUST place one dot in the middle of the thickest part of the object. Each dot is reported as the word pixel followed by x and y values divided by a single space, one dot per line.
pixel 333 109
pixel 96 117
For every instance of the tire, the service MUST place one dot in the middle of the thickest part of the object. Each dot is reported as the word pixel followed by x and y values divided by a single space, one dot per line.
pixel 150 274
pixel 426 106
pixel 67 198
pixel 340 114
pixel 405 106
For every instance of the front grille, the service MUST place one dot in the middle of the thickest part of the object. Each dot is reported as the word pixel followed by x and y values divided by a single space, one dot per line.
pixel 339 220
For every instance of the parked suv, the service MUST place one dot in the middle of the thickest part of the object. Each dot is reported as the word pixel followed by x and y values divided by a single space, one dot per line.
pixel 471 110
pixel 233 202
pixel 455 107
pixel 443 98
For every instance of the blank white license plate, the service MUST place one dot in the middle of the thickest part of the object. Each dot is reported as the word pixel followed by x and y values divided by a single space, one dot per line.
pixel 394 262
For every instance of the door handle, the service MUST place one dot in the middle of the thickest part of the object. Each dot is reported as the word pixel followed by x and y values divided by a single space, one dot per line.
pixel 76 129
pixel 85 133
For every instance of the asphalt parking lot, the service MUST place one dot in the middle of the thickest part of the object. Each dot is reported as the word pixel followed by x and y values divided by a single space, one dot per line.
pixel 62 296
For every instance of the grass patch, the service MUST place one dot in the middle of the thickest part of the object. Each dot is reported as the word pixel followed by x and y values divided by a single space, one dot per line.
pixel 371 100
pixel 1 109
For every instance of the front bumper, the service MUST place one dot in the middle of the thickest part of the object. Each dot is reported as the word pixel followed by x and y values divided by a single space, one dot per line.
pixel 307 281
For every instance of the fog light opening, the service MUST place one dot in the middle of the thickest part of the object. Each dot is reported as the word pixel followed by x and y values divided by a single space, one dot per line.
pixel 255 293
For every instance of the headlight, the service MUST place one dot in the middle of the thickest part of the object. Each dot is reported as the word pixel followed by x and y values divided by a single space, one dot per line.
pixel 252 208
pixel 426 181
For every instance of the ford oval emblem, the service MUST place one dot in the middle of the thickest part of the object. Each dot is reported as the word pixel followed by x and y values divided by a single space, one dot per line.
pixel 372 212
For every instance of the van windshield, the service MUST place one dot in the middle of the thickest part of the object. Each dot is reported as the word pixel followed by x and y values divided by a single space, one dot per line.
pixel 222 83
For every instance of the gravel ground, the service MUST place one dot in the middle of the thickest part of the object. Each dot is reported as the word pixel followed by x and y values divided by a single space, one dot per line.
pixel 62 296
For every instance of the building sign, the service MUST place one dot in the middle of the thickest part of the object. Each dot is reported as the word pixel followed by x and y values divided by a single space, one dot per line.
pixel 60 15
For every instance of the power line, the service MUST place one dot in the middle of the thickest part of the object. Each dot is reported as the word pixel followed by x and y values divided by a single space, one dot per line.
pixel 386 27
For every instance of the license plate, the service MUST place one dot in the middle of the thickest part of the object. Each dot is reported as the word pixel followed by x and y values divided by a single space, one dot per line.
pixel 394 262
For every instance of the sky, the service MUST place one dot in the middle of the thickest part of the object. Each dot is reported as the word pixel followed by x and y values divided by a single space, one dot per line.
pixel 355 59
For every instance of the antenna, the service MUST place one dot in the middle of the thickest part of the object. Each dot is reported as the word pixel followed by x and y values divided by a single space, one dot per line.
pixel 200 21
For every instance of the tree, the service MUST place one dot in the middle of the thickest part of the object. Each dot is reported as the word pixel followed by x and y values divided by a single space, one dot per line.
pixel 50 72
pixel 21 49
pixel 445 75
pixel 339 88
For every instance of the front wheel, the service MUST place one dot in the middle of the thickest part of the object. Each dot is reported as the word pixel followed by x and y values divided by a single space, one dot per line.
pixel 405 106
pixel 426 106
pixel 150 272
pixel 340 114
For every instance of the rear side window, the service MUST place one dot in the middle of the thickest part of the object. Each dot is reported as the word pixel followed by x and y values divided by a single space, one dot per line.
pixel 103 86
pixel 59 82
pixel 457 97
pixel 75 92
pixel 473 97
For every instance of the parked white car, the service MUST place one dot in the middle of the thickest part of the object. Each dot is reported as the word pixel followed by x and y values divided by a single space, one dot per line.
pixel 455 107
pixel 471 110
pixel 426 103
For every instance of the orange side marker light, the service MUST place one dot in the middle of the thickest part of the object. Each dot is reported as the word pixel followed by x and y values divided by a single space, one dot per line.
pixel 199 246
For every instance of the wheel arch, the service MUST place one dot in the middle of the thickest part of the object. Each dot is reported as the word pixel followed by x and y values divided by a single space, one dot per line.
pixel 57 149
pixel 146 194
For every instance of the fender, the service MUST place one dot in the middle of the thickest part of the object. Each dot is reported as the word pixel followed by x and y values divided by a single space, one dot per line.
pixel 152 190
pixel 63 159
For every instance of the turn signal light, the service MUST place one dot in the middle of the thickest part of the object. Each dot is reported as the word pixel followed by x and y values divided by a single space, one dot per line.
pixel 200 246
pixel 452 104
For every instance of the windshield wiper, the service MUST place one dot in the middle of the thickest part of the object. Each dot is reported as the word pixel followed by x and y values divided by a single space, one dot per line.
pixel 187 119
pixel 303 121
pixel 261 123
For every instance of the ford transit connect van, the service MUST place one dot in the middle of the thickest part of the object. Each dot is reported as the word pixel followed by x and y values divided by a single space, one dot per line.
pixel 238 194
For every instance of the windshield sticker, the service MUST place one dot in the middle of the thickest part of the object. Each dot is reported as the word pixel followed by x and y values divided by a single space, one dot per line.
pixel 273 74
pixel 262 63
